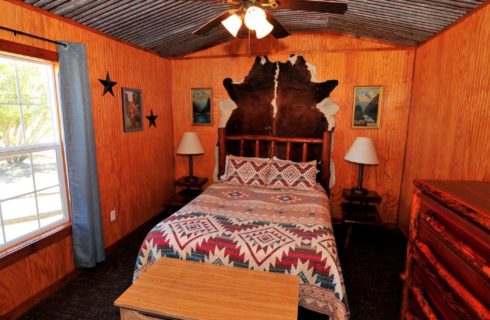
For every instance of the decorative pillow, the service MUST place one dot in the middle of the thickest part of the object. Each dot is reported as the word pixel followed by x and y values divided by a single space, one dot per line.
pixel 292 175
pixel 246 171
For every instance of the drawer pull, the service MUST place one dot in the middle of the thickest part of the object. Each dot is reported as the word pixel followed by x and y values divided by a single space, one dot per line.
pixel 457 288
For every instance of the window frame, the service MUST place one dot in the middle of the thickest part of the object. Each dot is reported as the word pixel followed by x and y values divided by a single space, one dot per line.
pixel 19 248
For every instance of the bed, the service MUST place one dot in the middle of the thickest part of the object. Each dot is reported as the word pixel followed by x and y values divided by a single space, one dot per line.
pixel 283 230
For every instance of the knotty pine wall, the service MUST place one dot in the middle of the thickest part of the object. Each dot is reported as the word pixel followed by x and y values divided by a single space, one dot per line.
pixel 136 170
pixel 449 136
pixel 352 61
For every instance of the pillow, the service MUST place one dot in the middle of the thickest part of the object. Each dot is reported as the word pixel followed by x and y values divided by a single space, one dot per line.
pixel 292 175
pixel 246 171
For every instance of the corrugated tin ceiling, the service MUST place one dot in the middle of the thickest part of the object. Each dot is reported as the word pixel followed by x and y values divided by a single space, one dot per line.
pixel 166 26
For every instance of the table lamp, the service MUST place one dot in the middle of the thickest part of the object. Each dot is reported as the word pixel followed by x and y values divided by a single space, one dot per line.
pixel 190 146
pixel 361 152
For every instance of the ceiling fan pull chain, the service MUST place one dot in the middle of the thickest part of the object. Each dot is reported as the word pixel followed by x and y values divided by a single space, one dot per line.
pixel 249 50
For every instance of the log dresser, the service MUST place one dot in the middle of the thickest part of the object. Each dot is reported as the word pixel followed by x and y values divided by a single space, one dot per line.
pixel 447 273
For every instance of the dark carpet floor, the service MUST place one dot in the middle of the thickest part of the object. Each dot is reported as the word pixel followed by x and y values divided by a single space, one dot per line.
pixel 371 265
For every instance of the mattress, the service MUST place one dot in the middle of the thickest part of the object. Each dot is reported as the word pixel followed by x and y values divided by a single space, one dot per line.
pixel 284 231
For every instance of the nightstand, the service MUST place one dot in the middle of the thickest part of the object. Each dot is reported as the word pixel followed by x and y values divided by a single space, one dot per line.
pixel 191 189
pixel 360 209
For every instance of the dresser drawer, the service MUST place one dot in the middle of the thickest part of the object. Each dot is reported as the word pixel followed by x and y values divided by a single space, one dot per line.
pixel 419 307
pixel 447 273
pixel 471 234
pixel 449 298
pixel 460 260
pixel 434 294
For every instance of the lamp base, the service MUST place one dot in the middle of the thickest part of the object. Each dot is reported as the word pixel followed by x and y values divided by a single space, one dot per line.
pixel 358 191
pixel 190 179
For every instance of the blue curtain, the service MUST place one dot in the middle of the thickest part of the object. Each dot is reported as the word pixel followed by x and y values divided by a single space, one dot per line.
pixel 76 110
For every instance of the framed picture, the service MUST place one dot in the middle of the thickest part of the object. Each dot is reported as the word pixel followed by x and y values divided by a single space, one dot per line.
pixel 367 102
pixel 202 112
pixel 132 109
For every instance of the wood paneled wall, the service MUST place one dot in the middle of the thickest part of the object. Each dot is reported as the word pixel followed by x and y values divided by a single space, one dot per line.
pixel 449 136
pixel 298 43
pixel 354 62
pixel 136 169
pixel 27 278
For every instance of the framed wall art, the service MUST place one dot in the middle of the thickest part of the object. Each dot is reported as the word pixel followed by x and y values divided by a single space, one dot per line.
pixel 132 109
pixel 367 103
pixel 202 112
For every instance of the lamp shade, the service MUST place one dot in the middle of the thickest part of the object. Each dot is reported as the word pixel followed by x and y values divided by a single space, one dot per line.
pixel 263 29
pixel 254 17
pixel 190 144
pixel 362 151
pixel 233 24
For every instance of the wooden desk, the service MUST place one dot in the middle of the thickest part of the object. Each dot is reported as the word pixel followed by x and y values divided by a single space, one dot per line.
pixel 177 289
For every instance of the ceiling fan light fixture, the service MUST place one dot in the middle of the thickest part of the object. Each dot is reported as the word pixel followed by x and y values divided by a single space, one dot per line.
pixel 233 24
pixel 263 29
pixel 254 17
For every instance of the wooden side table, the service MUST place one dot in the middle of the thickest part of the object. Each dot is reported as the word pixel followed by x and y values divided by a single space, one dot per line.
pixel 359 209
pixel 191 189
pixel 193 184
pixel 177 289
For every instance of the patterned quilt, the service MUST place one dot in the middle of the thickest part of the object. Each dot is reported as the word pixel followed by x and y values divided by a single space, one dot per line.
pixel 283 231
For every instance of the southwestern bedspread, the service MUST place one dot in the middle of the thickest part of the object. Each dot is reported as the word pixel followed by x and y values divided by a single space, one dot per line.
pixel 285 231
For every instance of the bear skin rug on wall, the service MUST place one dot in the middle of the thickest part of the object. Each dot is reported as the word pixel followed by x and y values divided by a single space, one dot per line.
pixel 281 99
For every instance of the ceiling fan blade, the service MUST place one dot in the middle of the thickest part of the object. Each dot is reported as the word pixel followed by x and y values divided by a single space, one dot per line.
pixel 279 31
pixel 312 5
pixel 211 24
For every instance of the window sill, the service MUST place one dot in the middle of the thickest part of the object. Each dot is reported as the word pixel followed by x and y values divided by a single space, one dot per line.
pixel 19 251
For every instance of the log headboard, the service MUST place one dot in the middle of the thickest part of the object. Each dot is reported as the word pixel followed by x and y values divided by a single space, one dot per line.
pixel 255 146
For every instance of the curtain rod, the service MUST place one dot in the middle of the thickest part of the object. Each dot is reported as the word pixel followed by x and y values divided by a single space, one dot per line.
pixel 16 32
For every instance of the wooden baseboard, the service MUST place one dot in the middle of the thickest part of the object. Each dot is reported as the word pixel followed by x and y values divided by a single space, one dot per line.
pixel 28 304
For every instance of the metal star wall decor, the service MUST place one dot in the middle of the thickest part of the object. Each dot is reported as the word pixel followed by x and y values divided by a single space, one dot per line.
pixel 108 84
pixel 152 119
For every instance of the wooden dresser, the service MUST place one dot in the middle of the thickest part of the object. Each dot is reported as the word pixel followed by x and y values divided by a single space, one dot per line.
pixel 447 273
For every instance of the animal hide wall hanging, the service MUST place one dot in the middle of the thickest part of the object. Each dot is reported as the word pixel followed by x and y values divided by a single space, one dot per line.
pixel 281 99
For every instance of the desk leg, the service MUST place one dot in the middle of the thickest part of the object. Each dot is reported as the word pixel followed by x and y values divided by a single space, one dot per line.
pixel 347 237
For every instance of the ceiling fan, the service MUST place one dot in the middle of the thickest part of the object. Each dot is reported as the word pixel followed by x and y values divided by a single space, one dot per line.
pixel 250 14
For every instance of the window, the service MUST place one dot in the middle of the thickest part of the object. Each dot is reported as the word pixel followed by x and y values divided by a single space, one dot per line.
pixel 33 194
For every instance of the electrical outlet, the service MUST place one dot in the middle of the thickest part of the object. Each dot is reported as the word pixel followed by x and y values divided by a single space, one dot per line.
pixel 113 215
